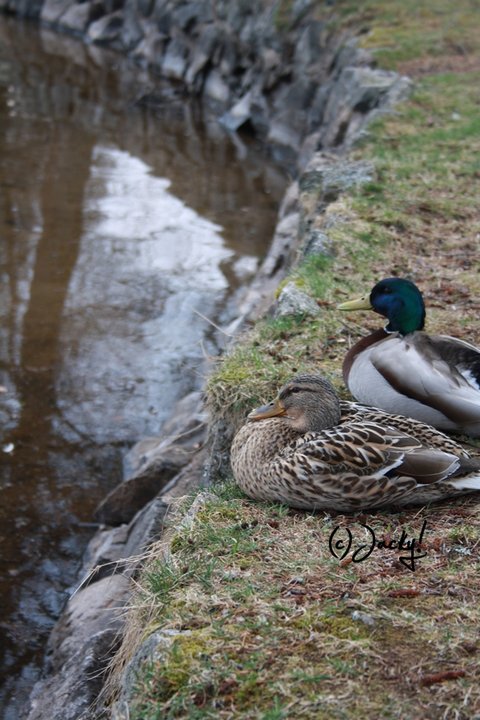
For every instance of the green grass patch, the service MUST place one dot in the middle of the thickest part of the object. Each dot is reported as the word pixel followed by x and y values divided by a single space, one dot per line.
pixel 399 32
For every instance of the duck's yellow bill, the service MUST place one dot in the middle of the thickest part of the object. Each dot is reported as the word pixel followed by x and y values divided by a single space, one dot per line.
pixel 362 303
pixel 273 409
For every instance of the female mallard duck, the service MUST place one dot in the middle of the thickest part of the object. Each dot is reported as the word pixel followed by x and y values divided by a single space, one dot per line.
pixel 309 450
pixel 401 369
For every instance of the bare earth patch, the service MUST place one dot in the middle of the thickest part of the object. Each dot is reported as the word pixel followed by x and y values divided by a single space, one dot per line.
pixel 455 63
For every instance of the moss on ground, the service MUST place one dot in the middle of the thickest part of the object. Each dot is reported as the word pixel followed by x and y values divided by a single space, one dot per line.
pixel 266 622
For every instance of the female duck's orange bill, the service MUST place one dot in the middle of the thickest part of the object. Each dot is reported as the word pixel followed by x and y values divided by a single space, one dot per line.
pixel 273 409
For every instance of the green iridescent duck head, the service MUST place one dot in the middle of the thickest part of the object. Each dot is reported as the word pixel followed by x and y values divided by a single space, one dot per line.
pixel 398 300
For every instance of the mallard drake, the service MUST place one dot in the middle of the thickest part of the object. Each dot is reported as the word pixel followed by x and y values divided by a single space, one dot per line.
pixel 402 369
pixel 310 450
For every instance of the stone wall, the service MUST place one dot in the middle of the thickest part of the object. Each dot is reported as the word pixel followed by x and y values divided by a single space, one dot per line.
pixel 272 66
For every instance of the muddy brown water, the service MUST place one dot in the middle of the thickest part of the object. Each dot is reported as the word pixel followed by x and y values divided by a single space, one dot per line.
pixel 122 226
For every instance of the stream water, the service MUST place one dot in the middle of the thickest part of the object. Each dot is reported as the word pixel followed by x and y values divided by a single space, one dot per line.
pixel 122 227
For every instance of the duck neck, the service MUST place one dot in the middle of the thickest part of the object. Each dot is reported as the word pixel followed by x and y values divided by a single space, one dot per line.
pixel 359 347
pixel 405 314
pixel 405 322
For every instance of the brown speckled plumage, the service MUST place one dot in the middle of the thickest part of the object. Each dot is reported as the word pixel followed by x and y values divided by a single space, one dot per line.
pixel 308 450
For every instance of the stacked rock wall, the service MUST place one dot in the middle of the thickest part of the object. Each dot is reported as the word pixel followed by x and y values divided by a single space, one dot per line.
pixel 272 65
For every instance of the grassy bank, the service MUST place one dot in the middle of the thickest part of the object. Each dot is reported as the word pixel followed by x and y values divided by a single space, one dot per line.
pixel 256 617
pixel 419 217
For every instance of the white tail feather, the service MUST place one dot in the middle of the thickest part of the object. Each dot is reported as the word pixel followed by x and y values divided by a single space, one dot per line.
pixel 472 482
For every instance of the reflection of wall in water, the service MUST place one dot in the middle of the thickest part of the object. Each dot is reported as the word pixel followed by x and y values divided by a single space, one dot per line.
pixel 208 169
pixel 147 267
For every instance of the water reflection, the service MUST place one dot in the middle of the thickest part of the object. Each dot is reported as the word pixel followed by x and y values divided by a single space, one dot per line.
pixel 120 227
pixel 131 329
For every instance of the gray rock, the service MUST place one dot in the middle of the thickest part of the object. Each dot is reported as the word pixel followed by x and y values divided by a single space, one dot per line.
pixel 348 54
pixel 287 79
pixel 300 8
pixel 290 119
pixel 216 88
pixel 156 461
pixel 319 104
pixel 229 59
pixel 89 628
pixel 201 54
pixel 150 650
pixel 52 10
pixel 194 13
pixel 149 51
pixel 145 7
pixel 363 617
pixel 292 301
pixel 59 44
pixel 239 114
pixel 310 45
pixel 124 501
pixel 329 175
pixel 316 243
pixel 162 16
pixel 107 29
pixel 274 68
pixel 238 14
pixel 174 61
pixel 153 648
pixel 282 131
pixel 81 644
pixel 132 29
pixel 258 298
pixel 358 92
pixel 23 8
pixel 76 18
pixel 307 150
pixel 184 428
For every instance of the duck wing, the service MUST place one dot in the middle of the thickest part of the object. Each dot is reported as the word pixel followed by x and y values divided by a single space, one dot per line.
pixel 368 448
pixel 369 465
pixel 463 356
pixel 420 368
pixel 428 435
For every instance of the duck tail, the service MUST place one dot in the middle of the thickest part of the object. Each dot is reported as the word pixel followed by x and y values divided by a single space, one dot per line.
pixel 471 482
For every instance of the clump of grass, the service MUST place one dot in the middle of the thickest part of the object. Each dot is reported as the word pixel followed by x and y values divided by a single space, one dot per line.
pixel 277 348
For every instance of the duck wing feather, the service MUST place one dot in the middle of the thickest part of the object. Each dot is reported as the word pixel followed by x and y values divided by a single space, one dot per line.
pixel 420 368
pixel 428 435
